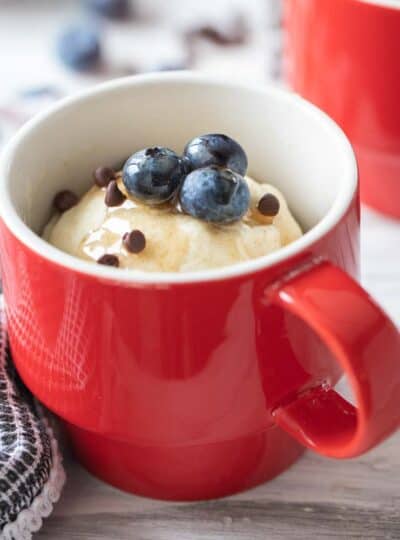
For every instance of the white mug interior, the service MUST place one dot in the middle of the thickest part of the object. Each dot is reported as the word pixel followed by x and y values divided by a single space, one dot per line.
pixel 289 143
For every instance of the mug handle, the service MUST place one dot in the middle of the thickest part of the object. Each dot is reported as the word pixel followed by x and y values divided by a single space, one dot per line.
pixel 365 343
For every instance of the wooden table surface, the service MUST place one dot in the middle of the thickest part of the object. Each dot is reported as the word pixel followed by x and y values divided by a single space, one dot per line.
pixel 317 497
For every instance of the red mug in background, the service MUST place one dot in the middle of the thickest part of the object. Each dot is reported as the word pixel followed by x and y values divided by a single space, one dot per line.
pixel 197 385
pixel 343 55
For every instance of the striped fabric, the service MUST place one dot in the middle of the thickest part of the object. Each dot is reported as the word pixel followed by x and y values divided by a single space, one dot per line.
pixel 31 473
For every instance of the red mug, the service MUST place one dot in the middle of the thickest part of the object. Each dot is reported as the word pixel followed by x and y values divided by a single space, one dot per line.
pixel 343 55
pixel 200 384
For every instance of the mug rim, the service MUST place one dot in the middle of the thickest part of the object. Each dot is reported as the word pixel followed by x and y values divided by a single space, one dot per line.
pixel 42 248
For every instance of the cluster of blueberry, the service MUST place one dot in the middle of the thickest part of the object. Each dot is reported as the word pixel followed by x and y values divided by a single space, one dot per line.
pixel 208 180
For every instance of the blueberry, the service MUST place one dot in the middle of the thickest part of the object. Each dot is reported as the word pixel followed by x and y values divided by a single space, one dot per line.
pixel 153 174
pixel 109 8
pixel 79 47
pixel 216 149
pixel 215 194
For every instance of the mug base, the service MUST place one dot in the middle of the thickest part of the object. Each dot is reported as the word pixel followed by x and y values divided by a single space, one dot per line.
pixel 186 473
pixel 379 180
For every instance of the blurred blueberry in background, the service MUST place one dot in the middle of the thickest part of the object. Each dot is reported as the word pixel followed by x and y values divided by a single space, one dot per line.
pixel 109 8
pixel 170 66
pixel 78 46
pixel 40 91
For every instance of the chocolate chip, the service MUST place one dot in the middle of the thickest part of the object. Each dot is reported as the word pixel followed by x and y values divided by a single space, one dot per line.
pixel 64 200
pixel 108 260
pixel 103 176
pixel 114 197
pixel 269 205
pixel 134 241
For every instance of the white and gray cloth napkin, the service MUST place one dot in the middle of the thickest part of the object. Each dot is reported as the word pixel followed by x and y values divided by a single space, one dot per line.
pixel 31 471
